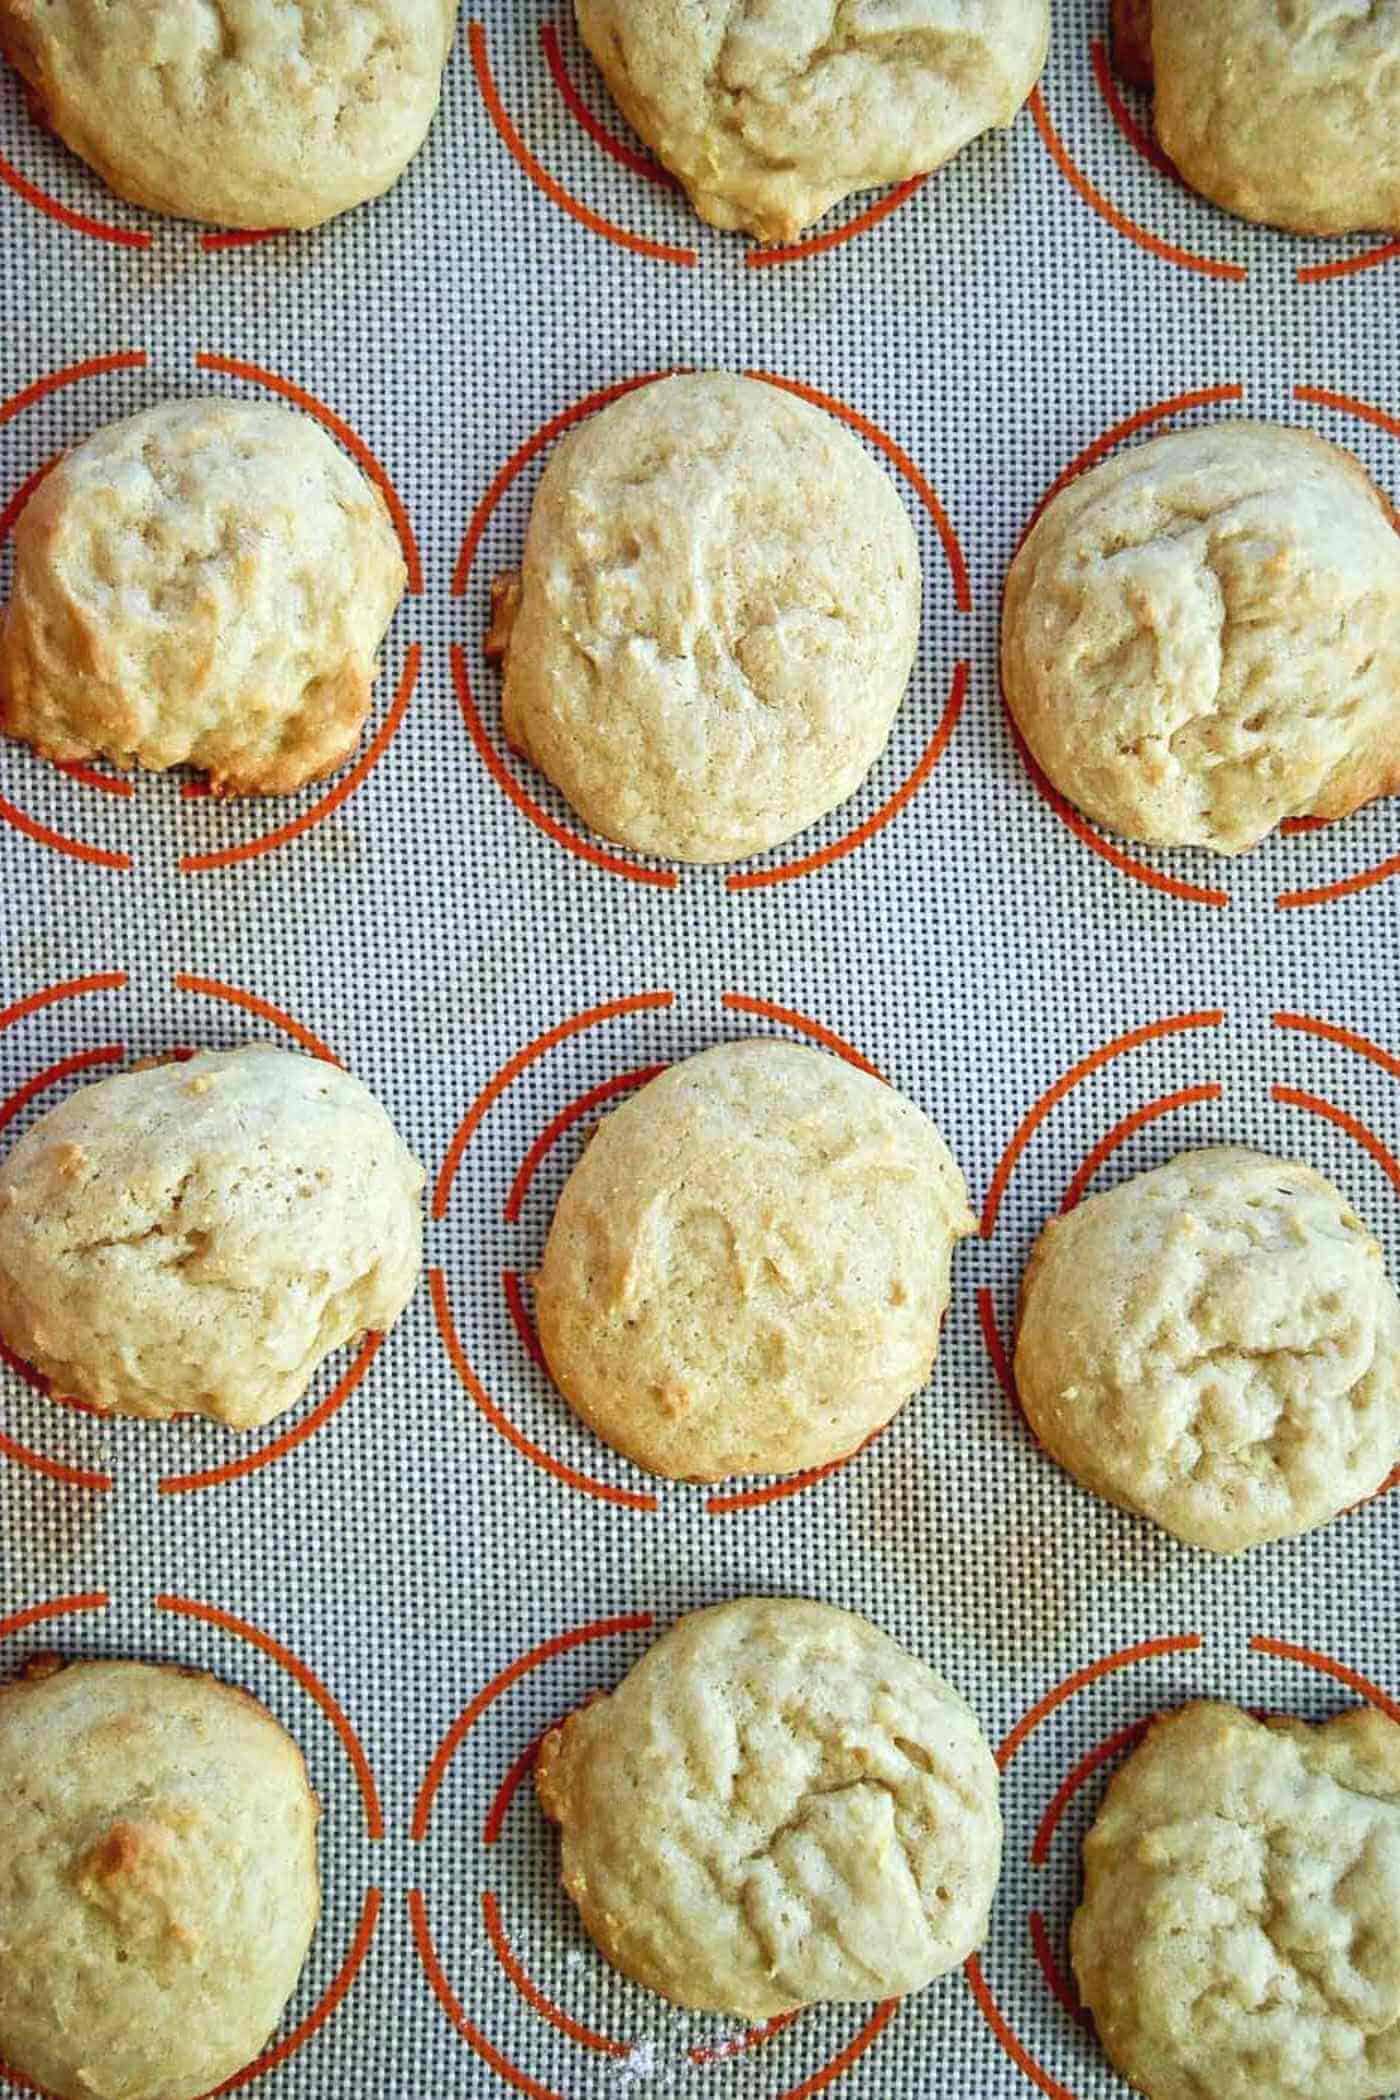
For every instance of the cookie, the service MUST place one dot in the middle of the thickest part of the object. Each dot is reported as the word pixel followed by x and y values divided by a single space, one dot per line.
pixel 716 620
pixel 158 1880
pixel 195 1238
pixel 1287 114
pixel 255 113
pixel 748 1268
pixel 777 1807
pixel 205 584
pixel 1201 637
pixel 769 114
pixel 1216 1345
pixel 1236 1937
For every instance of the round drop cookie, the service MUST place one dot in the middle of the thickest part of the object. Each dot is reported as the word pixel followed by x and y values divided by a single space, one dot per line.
pixel 778 1807
pixel 716 618
pixel 257 113
pixel 158 1880
pixel 1237 1934
pixel 1216 1345
pixel 1287 114
pixel 770 111
pixel 748 1268
pixel 205 584
pixel 1201 637
pixel 193 1238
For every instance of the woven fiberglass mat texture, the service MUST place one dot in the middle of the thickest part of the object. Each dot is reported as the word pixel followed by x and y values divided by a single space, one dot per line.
pixel 447 1561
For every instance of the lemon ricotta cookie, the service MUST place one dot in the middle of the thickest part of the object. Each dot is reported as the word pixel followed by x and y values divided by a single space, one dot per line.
pixel 194 1238
pixel 205 584
pixel 778 1807
pixel 1289 114
pixel 1237 1933
pixel 253 113
pixel 748 1268
pixel 716 618
pixel 158 1879
pixel 1216 1345
pixel 769 114
pixel 1201 637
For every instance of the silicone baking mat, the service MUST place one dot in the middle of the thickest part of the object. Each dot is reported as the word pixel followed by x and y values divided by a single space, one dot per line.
pixel 431 1560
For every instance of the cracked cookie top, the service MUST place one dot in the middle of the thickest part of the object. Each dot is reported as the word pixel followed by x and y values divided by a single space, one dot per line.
pixel 1237 1934
pixel 770 111
pixel 193 1238
pixel 1201 637
pixel 777 1807
pixel 256 113
pixel 1216 1345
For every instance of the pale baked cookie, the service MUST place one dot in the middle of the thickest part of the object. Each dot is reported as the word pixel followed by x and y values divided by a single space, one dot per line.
pixel 777 1807
pixel 1237 1936
pixel 251 113
pixel 195 1238
pixel 717 618
pixel 748 1267
pixel 158 1879
pixel 770 111
pixel 205 584
pixel 1285 113
pixel 1201 636
pixel 1215 1344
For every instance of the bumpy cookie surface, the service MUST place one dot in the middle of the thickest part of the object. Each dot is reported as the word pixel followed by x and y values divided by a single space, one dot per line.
pixel 770 111
pixel 717 618
pixel 158 1880
pixel 195 1238
pixel 1285 113
pixel 748 1267
pixel 204 584
pixel 1237 1936
pixel 1201 637
pixel 1215 1344
pixel 251 113
pixel 777 1807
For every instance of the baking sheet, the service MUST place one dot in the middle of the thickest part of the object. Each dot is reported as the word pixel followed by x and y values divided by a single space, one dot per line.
pixel 445 1561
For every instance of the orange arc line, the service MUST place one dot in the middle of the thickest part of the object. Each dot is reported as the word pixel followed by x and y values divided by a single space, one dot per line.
pixel 1140 141
pixel 1069 1787
pixel 780 1490
pixel 1049 1967
pixel 996 1350
pixel 755 2037
pixel 88 776
pixel 1121 1659
pixel 571 841
pixel 71 988
pixel 69 375
pixel 1350 265
pixel 1183 257
pixel 75 849
pixel 1292 826
pixel 22 495
pixel 741 1003
pixel 540 175
pixel 509 1787
pixel 242 237
pixel 1322 397
pixel 239 368
pixel 309 1682
pixel 109 1054
pixel 620 1083
pixel 764 258
pixel 447 1999
pixel 1295 900
pixel 1177 405
pixel 532 1994
pixel 591 1017
pixel 521 1321
pixel 558 1644
pixel 1177 1024
pixel 1185 1097
pixel 875 2026
pixel 1294 1097
pixel 229 856
pixel 625 1498
pixel 617 149
pixel 1347 1037
pixel 55 1608
pixel 240 1468
pixel 1010 2042
pixel 325 2006
pixel 918 481
pixel 1264 1644
pixel 212 988
pixel 839 848
pixel 97 229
